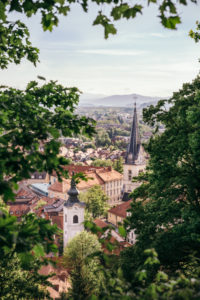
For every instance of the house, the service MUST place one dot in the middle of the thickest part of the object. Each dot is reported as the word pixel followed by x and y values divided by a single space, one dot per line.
pixel 118 214
pixel 38 177
pixel 115 238
pixel 109 179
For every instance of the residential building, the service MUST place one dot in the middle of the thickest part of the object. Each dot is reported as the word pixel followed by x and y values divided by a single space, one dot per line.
pixel 118 214
pixel 109 179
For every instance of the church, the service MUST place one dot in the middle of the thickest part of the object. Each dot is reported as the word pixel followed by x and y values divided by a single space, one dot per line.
pixel 135 161
pixel 73 214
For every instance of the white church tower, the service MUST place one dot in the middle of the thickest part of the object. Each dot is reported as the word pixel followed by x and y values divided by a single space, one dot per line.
pixel 135 161
pixel 73 214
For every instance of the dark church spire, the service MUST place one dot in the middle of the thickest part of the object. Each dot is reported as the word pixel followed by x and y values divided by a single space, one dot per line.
pixel 134 144
pixel 73 193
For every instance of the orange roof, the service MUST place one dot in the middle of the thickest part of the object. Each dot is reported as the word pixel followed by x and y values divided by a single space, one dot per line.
pixel 19 209
pixel 95 176
pixel 93 179
pixel 100 223
pixel 61 187
pixel 120 210
pixel 39 210
pixel 109 175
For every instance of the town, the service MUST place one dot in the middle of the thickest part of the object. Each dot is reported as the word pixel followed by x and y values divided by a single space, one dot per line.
pixel 60 201
pixel 99 150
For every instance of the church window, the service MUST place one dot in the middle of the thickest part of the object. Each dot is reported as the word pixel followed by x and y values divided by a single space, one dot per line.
pixel 75 219
pixel 66 218
pixel 129 174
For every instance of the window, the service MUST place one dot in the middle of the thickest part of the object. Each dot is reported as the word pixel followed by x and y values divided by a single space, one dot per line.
pixel 32 176
pixel 129 172
pixel 40 176
pixel 75 219
pixel 66 218
pixel 129 177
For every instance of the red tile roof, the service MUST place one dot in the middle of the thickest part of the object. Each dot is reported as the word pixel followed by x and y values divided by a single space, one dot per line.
pixel 19 209
pixel 120 210
pixel 60 187
pixel 100 223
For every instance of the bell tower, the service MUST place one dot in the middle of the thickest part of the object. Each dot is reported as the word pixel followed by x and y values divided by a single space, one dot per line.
pixel 135 157
pixel 73 214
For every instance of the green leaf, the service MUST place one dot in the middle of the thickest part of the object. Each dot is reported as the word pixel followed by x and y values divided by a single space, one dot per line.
pixel 122 231
pixel 38 250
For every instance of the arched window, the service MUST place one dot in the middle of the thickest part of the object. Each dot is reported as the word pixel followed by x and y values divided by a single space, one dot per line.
pixel 75 219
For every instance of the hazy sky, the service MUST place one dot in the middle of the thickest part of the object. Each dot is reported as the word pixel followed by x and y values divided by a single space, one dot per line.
pixel 142 58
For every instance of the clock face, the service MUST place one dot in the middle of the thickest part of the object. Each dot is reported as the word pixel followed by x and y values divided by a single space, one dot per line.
pixel 75 207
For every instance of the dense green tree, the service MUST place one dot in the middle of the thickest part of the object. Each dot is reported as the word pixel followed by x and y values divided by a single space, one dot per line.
pixel 38 114
pixel 28 118
pixel 102 163
pixel 166 209
pixel 102 138
pixel 15 43
pixel 118 164
pixel 17 283
pixel 150 280
pixel 85 273
pixel 96 201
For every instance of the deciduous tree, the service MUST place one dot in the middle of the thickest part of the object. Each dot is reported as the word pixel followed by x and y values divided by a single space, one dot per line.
pixel 96 201
pixel 166 209
pixel 84 267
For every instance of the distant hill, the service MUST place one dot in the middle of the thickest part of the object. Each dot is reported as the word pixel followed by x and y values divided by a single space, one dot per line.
pixel 118 100
pixel 87 99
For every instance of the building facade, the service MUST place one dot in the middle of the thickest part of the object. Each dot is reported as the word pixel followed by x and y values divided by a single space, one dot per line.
pixel 109 179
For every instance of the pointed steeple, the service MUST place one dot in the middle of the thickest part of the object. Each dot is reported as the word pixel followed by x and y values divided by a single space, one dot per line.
pixel 134 144
pixel 73 194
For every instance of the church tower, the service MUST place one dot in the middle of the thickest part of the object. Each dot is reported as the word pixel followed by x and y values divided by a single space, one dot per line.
pixel 135 157
pixel 73 214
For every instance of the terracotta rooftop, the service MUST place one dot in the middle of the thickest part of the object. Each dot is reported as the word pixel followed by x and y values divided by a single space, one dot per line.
pixel 93 179
pixel 120 210
pixel 24 192
pixel 19 209
pixel 109 175
pixel 100 223
pixel 47 200
pixel 60 187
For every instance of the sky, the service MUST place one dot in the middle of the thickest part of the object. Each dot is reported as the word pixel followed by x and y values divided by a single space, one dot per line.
pixel 143 57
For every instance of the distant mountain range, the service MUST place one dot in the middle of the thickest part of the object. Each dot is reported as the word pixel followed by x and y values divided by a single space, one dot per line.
pixel 117 100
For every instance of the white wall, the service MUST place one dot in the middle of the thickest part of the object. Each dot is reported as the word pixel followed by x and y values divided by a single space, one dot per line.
pixel 128 185
pixel 70 229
